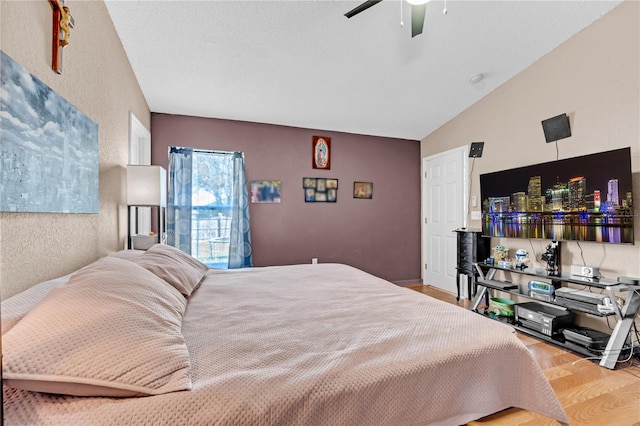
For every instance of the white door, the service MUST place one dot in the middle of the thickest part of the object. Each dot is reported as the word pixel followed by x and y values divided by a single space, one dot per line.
pixel 444 207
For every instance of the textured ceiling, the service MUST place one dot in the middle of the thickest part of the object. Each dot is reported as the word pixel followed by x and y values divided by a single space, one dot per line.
pixel 303 64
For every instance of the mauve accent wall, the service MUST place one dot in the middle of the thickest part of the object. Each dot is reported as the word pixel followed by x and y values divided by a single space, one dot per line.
pixel 380 236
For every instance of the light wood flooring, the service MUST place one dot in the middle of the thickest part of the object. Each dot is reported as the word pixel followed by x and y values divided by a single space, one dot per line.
pixel 589 394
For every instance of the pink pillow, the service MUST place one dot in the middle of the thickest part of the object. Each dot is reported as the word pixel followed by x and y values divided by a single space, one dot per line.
pixel 113 330
pixel 176 267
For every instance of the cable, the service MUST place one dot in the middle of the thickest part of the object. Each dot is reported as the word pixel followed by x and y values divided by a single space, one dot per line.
pixel 557 152
pixel 629 371
pixel 473 163
pixel 609 324
pixel 590 358
pixel 535 256
pixel 581 253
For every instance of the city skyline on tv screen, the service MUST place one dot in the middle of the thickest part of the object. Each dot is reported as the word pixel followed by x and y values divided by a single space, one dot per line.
pixel 587 198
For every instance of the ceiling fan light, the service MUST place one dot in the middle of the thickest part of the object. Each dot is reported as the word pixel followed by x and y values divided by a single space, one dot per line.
pixel 418 2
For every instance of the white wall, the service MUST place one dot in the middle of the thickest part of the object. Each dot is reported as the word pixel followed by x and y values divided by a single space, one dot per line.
pixel 595 78
pixel 98 80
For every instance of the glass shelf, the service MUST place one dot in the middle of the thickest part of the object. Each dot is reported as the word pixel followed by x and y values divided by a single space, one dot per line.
pixel 625 314
pixel 555 276
pixel 497 285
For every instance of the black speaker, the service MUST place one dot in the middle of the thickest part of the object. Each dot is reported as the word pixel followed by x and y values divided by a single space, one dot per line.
pixel 476 149
pixel 556 128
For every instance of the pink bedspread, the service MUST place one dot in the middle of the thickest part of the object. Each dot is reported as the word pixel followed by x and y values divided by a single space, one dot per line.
pixel 320 344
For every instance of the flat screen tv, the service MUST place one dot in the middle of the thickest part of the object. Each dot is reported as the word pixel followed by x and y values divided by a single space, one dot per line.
pixel 587 198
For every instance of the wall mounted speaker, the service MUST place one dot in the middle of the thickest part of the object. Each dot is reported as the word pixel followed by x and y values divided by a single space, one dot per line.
pixel 476 149
pixel 556 128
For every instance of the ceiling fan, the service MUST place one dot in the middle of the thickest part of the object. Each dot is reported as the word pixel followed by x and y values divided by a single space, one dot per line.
pixel 418 12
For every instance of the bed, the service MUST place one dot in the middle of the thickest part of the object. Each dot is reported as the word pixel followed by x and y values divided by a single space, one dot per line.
pixel 153 338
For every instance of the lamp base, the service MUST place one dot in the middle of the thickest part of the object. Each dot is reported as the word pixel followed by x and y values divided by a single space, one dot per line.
pixel 143 242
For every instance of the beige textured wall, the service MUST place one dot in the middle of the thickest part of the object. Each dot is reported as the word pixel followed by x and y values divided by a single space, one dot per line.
pixel 98 80
pixel 594 78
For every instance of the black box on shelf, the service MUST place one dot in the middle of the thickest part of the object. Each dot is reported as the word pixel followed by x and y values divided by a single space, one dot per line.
pixel 546 319
pixel 587 337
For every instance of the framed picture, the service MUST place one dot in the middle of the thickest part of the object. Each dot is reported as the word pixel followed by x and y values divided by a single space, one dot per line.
pixel 309 183
pixel 309 195
pixel 320 190
pixel 49 148
pixel 265 191
pixel 321 152
pixel 363 190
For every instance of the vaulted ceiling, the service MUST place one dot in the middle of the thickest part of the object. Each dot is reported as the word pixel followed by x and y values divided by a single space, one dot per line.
pixel 304 64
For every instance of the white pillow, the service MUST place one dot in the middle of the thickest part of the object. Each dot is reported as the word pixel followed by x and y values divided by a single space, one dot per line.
pixel 113 330
pixel 128 254
pixel 176 267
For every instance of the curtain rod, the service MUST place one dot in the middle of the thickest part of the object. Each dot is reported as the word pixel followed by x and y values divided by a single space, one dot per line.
pixel 211 151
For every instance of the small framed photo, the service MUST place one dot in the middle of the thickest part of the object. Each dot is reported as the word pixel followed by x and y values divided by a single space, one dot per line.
pixel 363 190
pixel 321 152
pixel 265 191
pixel 309 182
pixel 320 190
pixel 309 195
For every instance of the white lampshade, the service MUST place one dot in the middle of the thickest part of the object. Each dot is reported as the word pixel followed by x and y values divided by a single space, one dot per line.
pixel 146 186
pixel 418 2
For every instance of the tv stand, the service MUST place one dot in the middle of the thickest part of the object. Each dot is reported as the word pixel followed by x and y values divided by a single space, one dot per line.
pixel 625 315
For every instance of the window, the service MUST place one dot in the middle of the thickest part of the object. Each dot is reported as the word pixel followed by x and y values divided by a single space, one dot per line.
pixel 208 207
pixel 212 178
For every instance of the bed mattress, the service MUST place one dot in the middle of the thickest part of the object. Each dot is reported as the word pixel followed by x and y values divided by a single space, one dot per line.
pixel 323 344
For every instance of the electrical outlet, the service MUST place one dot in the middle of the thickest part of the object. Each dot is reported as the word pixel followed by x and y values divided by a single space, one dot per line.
pixel 314 260
pixel 476 215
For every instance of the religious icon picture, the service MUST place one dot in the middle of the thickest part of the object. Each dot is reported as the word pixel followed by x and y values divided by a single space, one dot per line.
pixel 321 152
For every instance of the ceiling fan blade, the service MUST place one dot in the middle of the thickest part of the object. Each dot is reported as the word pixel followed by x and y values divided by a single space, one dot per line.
pixel 418 12
pixel 361 8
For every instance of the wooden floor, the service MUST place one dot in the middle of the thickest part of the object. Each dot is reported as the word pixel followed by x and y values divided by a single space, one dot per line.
pixel 589 394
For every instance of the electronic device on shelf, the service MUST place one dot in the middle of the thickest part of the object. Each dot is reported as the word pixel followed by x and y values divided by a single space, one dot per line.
pixel 504 285
pixel 584 300
pixel 541 296
pixel 551 313
pixel 587 337
pixel 581 295
pixel 541 287
pixel 541 290
pixel 585 271
pixel 546 319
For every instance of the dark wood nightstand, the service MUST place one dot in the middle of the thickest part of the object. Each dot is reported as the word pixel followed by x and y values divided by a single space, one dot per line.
pixel 472 247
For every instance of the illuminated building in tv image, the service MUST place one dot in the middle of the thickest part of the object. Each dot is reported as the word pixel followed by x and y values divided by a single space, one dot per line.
pixel 562 200
pixel 612 193
pixel 535 198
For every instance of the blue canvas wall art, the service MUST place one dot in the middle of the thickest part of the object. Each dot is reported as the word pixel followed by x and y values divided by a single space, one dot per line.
pixel 48 149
